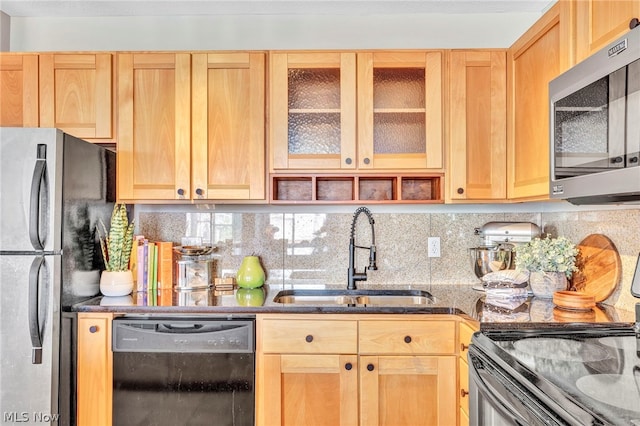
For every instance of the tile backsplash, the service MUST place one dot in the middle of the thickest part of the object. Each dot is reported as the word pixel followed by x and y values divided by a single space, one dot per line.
pixel 310 245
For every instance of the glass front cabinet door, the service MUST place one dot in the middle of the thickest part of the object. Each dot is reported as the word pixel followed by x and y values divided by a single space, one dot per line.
pixel 348 111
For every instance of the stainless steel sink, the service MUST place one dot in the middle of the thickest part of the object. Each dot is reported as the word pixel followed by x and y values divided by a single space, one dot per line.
pixel 355 297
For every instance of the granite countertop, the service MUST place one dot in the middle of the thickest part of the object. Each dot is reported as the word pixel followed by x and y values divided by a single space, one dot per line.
pixel 462 299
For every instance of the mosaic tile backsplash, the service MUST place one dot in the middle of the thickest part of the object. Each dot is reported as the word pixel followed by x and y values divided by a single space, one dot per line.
pixel 308 247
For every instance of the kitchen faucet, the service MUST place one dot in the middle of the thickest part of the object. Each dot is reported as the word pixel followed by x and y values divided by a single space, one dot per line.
pixel 353 275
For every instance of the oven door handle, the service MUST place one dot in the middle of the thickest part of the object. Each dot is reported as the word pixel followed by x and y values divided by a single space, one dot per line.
pixel 498 404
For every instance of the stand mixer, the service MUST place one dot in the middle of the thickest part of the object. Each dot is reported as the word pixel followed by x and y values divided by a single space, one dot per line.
pixel 498 241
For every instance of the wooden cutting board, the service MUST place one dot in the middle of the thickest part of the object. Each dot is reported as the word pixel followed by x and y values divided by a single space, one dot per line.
pixel 599 267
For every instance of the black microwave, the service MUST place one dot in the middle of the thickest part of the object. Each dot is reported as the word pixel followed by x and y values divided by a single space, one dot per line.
pixel 595 127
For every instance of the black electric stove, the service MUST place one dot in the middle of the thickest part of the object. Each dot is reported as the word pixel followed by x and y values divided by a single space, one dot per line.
pixel 573 375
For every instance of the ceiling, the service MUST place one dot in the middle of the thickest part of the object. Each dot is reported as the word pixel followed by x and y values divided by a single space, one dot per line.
pixel 101 8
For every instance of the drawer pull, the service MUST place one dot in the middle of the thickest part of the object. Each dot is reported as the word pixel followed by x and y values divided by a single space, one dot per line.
pixel 407 339
pixel 370 367
pixel 93 329
pixel 463 347
pixel 463 393
pixel 348 366
pixel 309 338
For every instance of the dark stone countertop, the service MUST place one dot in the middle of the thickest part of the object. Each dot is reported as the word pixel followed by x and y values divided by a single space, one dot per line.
pixel 460 299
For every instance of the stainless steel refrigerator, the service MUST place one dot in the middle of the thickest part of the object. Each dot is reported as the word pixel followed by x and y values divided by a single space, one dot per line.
pixel 53 190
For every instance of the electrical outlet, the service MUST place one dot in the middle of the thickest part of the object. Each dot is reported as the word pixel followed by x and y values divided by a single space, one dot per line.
pixel 433 249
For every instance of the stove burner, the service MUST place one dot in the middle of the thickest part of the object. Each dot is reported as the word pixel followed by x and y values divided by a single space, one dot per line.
pixel 561 349
pixel 607 388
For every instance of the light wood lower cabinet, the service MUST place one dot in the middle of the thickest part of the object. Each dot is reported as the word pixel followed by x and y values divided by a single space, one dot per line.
pixel 356 370
pixel 465 332
pixel 95 370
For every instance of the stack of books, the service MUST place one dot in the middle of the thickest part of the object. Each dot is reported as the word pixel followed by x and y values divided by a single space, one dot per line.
pixel 152 264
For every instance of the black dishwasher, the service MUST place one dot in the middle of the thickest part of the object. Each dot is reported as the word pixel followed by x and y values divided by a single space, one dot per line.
pixel 183 371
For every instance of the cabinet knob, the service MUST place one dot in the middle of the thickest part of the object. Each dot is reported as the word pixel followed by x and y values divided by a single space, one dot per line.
pixel 463 347
pixel 348 160
pixel 633 159
pixel 370 367
pixel 180 192
pixel 616 160
pixel 199 192
pixel 407 339
pixel 309 338
pixel 93 329
pixel 463 393
pixel 460 191
pixel 366 160
pixel 634 23
pixel 348 366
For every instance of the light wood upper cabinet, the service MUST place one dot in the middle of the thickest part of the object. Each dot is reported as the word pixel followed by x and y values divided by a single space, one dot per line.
pixel 76 94
pixel 537 57
pixel 95 370
pixel 400 110
pixel 19 90
pixel 228 132
pixel 313 110
pixel 318 97
pixel 191 127
pixel 154 126
pixel 599 22
pixel 478 126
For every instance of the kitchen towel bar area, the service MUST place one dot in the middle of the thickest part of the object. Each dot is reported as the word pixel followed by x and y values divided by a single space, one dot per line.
pixel 378 188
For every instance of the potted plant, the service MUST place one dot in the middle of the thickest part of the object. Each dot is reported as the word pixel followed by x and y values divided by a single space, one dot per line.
pixel 117 279
pixel 550 262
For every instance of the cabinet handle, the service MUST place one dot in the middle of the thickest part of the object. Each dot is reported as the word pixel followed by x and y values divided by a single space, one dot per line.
pixel 463 347
pixel 370 367
pixel 348 366
pixel 348 160
pixel 181 192
pixel 460 191
pixel 309 338
pixel 463 393
pixel 407 339
pixel 634 23
pixel 366 160
pixel 93 329
pixel 199 192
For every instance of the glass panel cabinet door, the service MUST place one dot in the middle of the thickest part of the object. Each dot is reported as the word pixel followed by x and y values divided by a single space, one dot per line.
pixel 313 108
pixel 400 110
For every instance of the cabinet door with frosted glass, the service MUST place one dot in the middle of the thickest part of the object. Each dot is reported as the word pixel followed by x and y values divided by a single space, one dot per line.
pixel 400 110
pixel 313 110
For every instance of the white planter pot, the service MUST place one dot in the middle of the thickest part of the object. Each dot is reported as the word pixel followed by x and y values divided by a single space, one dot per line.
pixel 544 284
pixel 116 283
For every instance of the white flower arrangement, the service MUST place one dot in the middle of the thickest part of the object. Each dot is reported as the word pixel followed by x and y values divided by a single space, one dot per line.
pixel 547 255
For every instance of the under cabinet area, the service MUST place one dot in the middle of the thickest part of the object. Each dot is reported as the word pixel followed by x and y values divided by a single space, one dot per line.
pixel 191 126
pixel 356 369
pixel 356 110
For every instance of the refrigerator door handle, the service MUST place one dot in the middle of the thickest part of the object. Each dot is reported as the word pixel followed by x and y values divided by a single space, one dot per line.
pixel 39 192
pixel 34 308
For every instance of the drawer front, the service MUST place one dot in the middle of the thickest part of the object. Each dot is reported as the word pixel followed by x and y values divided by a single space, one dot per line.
pixel 310 336
pixel 464 385
pixel 407 337
pixel 465 338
